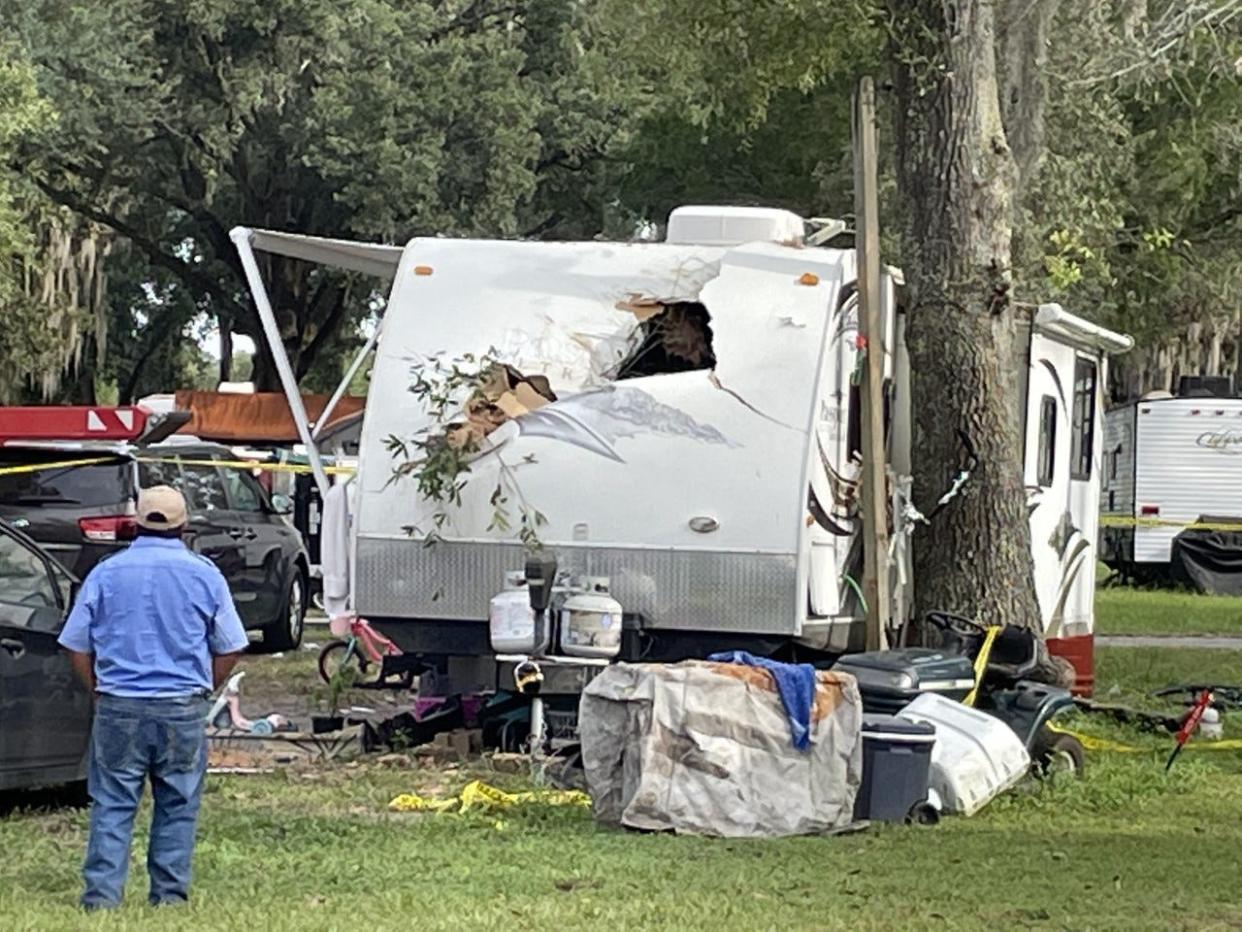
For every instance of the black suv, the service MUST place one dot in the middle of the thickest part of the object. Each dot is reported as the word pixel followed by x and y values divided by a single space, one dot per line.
pixel 81 507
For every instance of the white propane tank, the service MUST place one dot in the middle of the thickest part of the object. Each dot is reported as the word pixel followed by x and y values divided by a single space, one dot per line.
pixel 591 622
pixel 511 620
pixel 1210 726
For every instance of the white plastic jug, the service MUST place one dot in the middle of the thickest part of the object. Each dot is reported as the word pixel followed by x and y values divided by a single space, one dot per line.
pixel 511 621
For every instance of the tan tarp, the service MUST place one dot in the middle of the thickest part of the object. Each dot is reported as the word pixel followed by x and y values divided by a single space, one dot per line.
pixel 263 417
pixel 705 749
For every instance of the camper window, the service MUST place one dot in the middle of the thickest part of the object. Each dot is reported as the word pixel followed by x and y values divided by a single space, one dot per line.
pixel 1084 418
pixel 1046 464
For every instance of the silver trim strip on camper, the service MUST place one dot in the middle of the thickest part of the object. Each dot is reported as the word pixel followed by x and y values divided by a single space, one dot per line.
pixel 452 581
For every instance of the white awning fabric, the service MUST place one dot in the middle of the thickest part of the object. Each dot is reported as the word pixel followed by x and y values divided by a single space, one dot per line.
pixel 368 258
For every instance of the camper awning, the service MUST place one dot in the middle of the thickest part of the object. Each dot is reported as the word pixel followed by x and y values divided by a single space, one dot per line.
pixel 368 258
pixel 1054 319
pixel 260 418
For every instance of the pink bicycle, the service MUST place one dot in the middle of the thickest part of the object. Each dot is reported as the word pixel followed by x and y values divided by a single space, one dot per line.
pixel 360 648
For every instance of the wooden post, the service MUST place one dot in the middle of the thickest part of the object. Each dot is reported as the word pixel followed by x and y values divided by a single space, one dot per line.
pixel 871 330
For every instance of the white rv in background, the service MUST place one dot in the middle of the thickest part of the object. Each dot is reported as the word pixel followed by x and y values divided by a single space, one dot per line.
pixel 719 498
pixel 1169 461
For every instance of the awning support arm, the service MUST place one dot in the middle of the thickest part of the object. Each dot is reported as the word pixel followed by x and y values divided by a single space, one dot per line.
pixel 243 239
pixel 343 387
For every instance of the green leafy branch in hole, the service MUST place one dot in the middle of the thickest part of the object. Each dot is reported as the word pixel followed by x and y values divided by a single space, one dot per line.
pixel 460 397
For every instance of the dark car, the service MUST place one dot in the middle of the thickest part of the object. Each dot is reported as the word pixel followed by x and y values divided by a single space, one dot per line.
pixel 79 504
pixel 45 713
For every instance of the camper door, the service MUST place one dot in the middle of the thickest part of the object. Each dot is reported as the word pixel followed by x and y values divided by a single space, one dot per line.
pixel 1062 480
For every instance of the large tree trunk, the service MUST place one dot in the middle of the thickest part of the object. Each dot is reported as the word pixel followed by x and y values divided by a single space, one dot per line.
pixel 225 325
pixel 956 176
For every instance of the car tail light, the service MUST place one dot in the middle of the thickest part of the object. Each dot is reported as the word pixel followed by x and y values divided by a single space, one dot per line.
pixel 1149 511
pixel 110 528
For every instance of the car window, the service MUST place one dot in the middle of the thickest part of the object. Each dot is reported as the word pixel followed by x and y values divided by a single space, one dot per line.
pixel 203 488
pixel 24 578
pixel 164 471
pixel 243 491
pixel 81 486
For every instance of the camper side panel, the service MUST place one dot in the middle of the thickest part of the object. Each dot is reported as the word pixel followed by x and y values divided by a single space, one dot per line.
pixel 1189 464
pixel 1117 487
pixel 687 488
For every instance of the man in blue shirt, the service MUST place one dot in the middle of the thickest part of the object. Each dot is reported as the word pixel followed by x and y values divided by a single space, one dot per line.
pixel 152 632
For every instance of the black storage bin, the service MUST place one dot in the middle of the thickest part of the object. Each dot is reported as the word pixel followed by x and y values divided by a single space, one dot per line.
pixel 896 767
pixel 889 680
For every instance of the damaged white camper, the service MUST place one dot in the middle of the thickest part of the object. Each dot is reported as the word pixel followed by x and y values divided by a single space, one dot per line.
pixel 683 416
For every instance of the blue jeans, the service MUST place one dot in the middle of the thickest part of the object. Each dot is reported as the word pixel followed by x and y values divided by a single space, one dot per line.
pixel 164 740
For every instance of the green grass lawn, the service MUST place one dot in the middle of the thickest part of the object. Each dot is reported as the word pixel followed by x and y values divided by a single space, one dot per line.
pixel 1121 610
pixel 1125 848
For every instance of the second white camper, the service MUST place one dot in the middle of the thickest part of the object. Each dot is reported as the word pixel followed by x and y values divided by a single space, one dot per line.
pixel 1169 461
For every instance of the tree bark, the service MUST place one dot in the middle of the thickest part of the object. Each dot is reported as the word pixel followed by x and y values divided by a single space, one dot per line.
pixel 956 176
pixel 1023 43
pixel 225 326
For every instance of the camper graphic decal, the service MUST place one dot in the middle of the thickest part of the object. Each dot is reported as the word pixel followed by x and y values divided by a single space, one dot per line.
pixel 1222 441
pixel 596 420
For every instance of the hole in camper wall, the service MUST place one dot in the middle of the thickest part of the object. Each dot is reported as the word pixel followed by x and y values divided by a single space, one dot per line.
pixel 670 337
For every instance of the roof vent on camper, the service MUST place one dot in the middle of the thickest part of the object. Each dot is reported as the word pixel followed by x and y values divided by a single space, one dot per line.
pixel 733 226
pixel 1205 386
pixel 1158 394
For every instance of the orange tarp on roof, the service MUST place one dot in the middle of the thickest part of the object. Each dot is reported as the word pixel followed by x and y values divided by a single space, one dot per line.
pixel 263 417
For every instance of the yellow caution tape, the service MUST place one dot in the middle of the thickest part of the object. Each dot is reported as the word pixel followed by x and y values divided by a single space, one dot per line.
pixel 248 464
pixel 251 465
pixel 478 795
pixel 62 464
pixel 1106 745
pixel 1121 521
pixel 981 664
pixel 1091 743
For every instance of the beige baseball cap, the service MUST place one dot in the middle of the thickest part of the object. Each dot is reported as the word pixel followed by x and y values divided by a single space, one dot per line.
pixel 161 508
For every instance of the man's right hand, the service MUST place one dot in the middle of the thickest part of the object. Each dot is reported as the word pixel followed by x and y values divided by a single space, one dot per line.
pixel 221 666
pixel 84 667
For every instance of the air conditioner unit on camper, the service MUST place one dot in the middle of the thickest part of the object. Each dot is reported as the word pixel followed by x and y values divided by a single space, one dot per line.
pixel 734 226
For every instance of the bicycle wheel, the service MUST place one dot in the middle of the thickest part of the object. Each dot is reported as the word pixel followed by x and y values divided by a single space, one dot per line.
pixel 341 655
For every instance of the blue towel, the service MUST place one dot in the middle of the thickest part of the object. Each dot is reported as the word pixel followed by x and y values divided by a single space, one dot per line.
pixel 795 682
